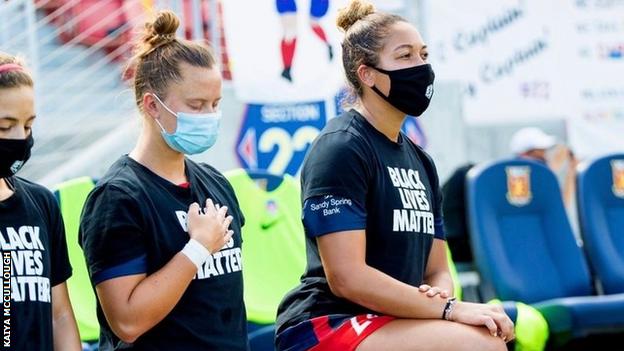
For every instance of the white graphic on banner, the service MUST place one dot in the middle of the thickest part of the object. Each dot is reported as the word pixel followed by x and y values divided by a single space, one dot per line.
pixel 529 60
pixel 503 52
pixel 284 51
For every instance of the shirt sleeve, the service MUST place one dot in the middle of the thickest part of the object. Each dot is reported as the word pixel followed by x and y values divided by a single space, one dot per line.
pixel 329 214
pixel 111 234
pixel 61 269
pixel 337 165
pixel 438 220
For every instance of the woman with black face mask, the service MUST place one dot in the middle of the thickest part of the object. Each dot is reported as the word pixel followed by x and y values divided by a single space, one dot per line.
pixel 35 263
pixel 377 276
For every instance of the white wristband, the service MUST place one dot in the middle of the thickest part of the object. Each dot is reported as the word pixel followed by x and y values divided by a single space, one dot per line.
pixel 196 252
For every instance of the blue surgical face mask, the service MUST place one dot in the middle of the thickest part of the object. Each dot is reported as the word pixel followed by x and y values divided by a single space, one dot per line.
pixel 195 132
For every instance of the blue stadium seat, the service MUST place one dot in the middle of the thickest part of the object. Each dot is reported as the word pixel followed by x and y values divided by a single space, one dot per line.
pixel 525 249
pixel 600 193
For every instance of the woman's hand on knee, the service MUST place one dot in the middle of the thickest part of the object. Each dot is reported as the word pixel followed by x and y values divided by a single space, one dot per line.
pixel 492 317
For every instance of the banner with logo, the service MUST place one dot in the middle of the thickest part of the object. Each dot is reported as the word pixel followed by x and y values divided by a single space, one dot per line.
pixel 276 137
pixel 284 51
pixel 286 65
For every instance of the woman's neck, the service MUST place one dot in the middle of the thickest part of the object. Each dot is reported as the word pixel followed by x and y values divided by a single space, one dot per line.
pixel 5 190
pixel 385 118
pixel 152 152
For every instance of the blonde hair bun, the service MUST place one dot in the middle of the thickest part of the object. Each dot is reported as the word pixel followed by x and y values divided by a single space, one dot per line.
pixel 161 31
pixel 165 23
pixel 356 10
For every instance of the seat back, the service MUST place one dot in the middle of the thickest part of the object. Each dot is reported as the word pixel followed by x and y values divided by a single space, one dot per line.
pixel 600 192
pixel 71 196
pixel 273 243
pixel 522 240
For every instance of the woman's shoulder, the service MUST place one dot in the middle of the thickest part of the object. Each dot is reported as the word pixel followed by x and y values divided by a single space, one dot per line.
pixel 343 128
pixel 121 176
pixel 340 138
pixel 35 191
pixel 36 196
pixel 115 188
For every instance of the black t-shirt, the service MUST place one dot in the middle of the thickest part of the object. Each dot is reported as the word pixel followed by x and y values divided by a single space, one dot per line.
pixel 396 185
pixel 32 237
pixel 135 222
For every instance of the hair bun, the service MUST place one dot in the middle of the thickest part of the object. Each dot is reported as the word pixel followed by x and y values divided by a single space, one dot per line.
pixel 356 10
pixel 166 23
pixel 159 32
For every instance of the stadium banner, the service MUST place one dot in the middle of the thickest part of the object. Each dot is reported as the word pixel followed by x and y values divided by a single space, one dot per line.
pixel 531 60
pixel 595 67
pixel 392 6
pixel 284 51
pixel 502 51
pixel 276 137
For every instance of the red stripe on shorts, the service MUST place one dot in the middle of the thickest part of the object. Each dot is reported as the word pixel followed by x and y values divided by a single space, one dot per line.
pixel 349 334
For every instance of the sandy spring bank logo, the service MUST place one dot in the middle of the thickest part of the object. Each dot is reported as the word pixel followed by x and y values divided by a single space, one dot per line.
pixel 519 185
pixel 617 168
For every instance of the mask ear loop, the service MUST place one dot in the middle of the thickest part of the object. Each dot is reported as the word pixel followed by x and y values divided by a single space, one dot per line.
pixel 166 108
pixel 9 184
pixel 374 87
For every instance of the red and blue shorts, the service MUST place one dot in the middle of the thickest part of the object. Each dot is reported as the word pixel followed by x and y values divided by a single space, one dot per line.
pixel 329 333
pixel 318 8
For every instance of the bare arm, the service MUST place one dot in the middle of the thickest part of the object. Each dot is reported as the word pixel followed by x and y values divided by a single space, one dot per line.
pixel 348 275
pixel 65 332
pixel 343 256
pixel 134 304
pixel 438 276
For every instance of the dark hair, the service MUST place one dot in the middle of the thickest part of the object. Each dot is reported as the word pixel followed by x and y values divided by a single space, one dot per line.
pixel 159 53
pixel 15 77
pixel 365 31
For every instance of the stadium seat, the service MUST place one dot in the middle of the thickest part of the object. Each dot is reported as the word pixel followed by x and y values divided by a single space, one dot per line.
pixel 530 327
pixel 274 247
pixel 71 196
pixel 600 193
pixel 525 250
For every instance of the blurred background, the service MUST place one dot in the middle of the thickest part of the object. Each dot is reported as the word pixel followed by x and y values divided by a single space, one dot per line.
pixel 500 66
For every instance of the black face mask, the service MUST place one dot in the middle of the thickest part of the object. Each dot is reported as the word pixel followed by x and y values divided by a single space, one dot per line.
pixel 411 89
pixel 13 155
